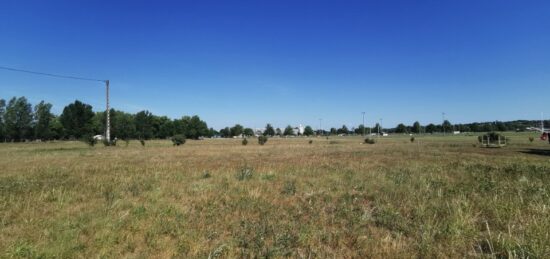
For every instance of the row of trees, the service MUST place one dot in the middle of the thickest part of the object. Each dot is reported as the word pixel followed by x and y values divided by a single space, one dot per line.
pixel 19 121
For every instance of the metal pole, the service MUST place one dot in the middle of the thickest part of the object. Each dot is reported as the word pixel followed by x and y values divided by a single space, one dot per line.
pixel 363 124
pixel 108 129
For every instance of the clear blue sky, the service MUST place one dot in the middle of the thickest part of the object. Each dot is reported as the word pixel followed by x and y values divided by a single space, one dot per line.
pixel 285 62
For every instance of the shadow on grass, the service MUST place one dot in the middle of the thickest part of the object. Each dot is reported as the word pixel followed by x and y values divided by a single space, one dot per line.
pixel 540 152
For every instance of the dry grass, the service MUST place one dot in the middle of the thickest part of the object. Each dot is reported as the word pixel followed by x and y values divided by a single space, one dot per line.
pixel 436 197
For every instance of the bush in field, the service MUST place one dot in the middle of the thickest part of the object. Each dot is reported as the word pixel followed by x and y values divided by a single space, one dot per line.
pixel 206 174
pixel 479 139
pixel 109 143
pixel 310 141
pixel 370 141
pixel 90 140
pixel 412 139
pixel 289 188
pixel 178 140
pixel 531 139
pixel 245 142
pixel 244 173
pixel 142 142
pixel 262 140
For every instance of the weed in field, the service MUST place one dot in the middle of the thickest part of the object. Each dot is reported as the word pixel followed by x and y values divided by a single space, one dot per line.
pixel 178 140
pixel 267 176
pixel 218 252
pixel 310 141
pixel 109 194
pixel 262 140
pixel 205 175
pixel 245 173
pixel 370 141
pixel 289 188
pixel 90 140
pixel 244 142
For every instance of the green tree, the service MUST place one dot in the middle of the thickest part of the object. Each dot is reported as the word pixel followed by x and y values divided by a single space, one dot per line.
pixel 237 130
pixel 431 128
pixel 447 126
pixel 278 132
pixel 225 132
pixel 56 128
pixel 18 119
pixel 333 131
pixel 288 131
pixel 77 119
pixel 308 131
pixel 248 132
pixel 343 130
pixel 124 127
pixel 361 129
pixel 269 130
pixel 165 127
pixel 212 132
pixel 401 128
pixel 191 127
pixel 416 128
pixel 144 125
pixel 43 118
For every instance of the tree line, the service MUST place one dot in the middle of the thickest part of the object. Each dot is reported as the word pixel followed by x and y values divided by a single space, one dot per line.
pixel 20 121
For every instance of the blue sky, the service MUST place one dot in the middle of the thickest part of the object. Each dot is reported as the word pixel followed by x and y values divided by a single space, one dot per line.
pixel 285 62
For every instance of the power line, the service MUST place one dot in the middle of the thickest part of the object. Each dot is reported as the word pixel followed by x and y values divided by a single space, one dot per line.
pixel 108 126
pixel 52 75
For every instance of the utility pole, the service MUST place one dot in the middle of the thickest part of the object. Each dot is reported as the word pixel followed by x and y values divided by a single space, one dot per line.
pixel 108 129
pixel 363 124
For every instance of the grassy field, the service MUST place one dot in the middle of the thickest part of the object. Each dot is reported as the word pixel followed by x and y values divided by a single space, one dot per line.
pixel 436 197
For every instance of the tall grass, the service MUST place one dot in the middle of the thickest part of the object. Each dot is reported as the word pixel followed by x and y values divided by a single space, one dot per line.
pixel 217 198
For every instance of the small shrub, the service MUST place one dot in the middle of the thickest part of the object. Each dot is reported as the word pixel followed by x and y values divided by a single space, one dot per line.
pixel 479 139
pixel 262 140
pixel 142 142
pixel 109 143
pixel 370 141
pixel 289 188
pixel 90 140
pixel 206 174
pixel 310 141
pixel 412 139
pixel 178 140
pixel 531 139
pixel 244 173
pixel 245 142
